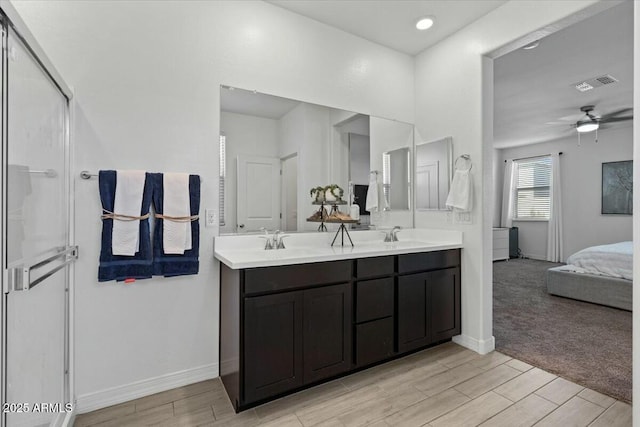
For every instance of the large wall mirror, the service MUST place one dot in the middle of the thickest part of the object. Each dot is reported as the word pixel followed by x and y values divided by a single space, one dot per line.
pixel 433 173
pixel 274 150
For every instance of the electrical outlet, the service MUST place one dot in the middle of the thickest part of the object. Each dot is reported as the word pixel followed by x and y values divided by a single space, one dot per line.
pixel 463 217
pixel 210 217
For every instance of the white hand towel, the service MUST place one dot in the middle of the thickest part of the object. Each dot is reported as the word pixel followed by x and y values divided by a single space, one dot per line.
pixel 461 191
pixel 125 238
pixel 372 194
pixel 176 235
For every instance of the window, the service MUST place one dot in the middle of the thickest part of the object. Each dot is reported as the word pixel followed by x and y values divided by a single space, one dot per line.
pixel 533 186
pixel 221 179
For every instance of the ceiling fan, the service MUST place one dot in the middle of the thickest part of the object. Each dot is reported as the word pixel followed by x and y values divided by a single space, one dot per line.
pixel 590 121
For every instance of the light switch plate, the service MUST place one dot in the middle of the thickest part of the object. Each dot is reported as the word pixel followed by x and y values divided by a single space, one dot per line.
pixel 210 217
pixel 463 217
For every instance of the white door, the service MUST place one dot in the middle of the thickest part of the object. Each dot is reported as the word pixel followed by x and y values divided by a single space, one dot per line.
pixel 290 193
pixel 427 180
pixel 36 244
pixel 258 193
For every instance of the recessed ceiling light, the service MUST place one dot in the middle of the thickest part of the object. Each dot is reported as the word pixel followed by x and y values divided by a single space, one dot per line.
pixel 532 45
pixel 425 23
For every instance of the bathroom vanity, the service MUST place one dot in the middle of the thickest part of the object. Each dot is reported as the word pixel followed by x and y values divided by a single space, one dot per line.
pixel 295 317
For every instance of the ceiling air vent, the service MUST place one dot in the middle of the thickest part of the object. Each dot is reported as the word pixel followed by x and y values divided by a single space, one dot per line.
pixel 589 84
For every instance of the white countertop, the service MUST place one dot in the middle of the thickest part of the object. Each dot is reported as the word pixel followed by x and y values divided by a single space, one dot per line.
pixel 247 251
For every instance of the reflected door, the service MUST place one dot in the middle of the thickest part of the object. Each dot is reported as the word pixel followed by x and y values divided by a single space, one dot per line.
pixel 36 236
pixel 258 193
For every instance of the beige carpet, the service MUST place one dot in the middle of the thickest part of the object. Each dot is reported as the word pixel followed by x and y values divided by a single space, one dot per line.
pixel 585 343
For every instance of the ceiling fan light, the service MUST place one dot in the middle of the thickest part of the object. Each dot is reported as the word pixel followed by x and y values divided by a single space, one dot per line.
pixel 425 23
pixel 587 126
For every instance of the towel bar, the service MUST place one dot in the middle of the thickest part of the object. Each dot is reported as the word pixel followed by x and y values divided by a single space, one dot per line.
pixel 87 175
pixel 49 173
pixel 20 276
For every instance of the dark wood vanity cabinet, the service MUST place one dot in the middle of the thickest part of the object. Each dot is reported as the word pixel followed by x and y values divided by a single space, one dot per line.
pixel 326 332
pixel 428 302
pixel 283 328
pixel 374 310
pixel 272 344
pixel 295 338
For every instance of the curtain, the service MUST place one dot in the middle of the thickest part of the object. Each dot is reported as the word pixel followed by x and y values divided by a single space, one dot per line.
pixel 554 234
pixel 508 190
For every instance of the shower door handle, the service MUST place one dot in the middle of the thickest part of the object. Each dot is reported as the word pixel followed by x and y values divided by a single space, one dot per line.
pixel 20 276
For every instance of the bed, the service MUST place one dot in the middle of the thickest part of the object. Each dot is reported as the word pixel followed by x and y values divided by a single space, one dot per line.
pixel 598 274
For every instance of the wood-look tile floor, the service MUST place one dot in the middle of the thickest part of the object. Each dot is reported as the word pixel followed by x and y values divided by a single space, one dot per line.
pixel 446 385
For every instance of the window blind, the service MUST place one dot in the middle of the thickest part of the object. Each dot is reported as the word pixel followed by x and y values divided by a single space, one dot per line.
pixel 533 187
pixel 222 177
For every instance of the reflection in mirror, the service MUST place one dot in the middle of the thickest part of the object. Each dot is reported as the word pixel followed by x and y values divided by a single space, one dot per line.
pixel 433 174
pixel 273 150
pixel 396 179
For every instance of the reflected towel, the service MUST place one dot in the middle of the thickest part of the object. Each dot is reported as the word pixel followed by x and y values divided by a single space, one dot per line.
pixel 125 239
pixel 176 203
pixel 118 267
pixel 461 192
pixel 175 264
pixel 372 193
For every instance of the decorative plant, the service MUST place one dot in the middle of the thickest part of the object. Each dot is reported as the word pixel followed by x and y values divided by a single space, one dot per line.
pixel 317 193
pixel 335 190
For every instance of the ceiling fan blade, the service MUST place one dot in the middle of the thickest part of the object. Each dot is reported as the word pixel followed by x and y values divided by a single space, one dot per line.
pixel 615 113
pixel 571 117
pixel 616 119
pixel 563 123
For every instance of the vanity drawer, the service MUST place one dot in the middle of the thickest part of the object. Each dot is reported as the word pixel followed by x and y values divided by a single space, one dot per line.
pixel 374 299
pixel 374 267
pixel 428 261
pixel 279 278
pixel 374 341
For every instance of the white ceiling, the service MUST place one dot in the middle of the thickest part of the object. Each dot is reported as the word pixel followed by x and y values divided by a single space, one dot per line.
pixel 534 87
pixel 251 103
pixel 391 23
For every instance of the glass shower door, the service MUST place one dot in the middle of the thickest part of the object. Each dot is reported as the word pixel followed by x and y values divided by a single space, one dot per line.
pixel 37 238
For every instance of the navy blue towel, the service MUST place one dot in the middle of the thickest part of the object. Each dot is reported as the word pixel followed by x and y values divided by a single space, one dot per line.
pixel 169 265
pixel 119 267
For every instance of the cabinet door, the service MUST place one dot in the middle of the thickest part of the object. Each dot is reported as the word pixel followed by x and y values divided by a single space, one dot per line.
pixel 272 345
pixel 374 341
pixel 413 303
pixel 444 287
pixel 327 331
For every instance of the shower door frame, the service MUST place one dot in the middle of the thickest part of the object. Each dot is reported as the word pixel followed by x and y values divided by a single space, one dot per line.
pixel 9 17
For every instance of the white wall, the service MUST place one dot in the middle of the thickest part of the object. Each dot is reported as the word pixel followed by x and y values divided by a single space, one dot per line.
pixel 248 136
pixel 581 177
pixel 359 152
pixel 454 87
pixel 147 78
pixel 498 180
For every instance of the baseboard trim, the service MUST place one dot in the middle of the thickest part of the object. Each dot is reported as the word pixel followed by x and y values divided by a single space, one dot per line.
pixel 479 346
pixel 537 257
pixel 115 395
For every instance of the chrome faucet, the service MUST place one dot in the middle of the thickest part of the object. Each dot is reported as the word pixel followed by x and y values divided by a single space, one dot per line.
pixel 275 240
pixel 268 240
pixel 391 236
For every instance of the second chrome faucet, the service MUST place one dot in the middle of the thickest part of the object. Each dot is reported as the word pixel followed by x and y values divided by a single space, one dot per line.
pixel 275 241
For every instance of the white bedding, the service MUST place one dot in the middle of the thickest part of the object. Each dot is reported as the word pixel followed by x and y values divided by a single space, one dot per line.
pixel 614 260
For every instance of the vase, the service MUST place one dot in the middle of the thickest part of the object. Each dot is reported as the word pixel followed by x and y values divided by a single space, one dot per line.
pixel 329 197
